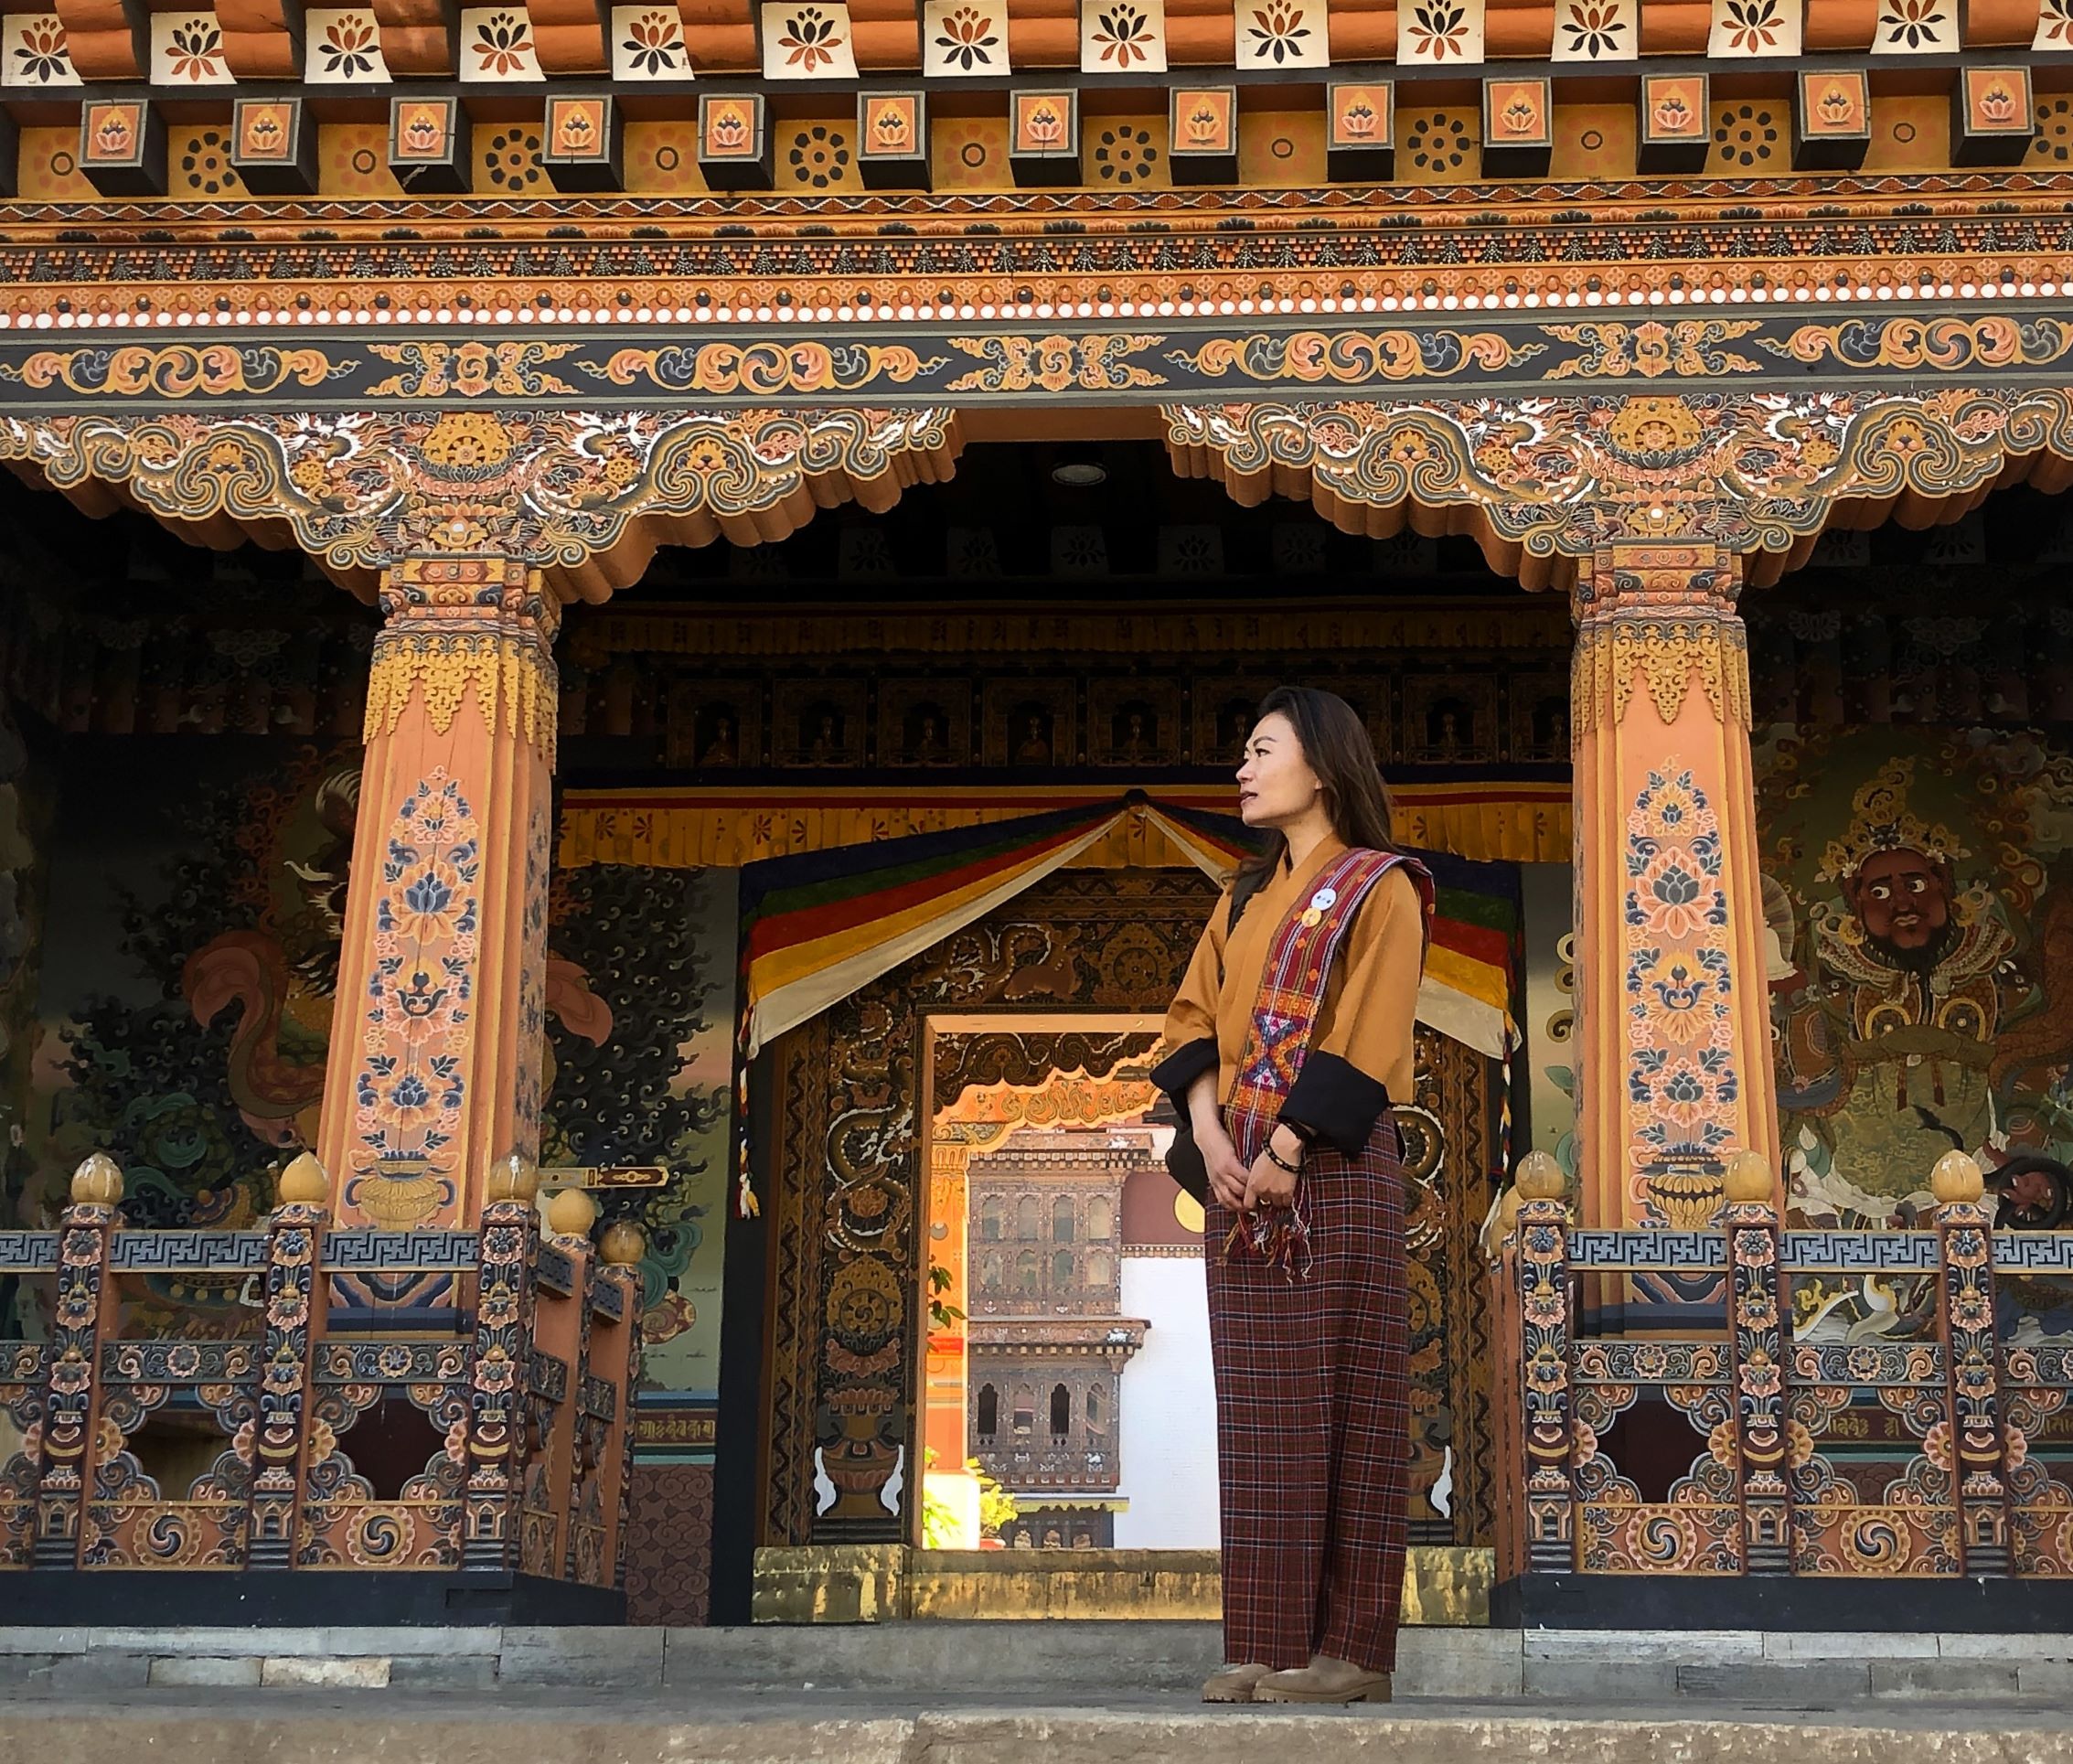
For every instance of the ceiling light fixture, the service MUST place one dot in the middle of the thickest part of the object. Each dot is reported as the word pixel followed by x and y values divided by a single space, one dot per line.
pixel 1079 468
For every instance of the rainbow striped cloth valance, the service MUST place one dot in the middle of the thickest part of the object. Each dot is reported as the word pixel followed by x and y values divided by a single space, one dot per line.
pixel 819 925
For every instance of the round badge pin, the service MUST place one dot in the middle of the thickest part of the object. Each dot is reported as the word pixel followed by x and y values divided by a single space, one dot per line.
pixel 1324 900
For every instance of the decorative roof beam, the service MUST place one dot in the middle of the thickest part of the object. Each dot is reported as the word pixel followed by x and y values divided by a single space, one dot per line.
pixel 569 36
pixel 262 40
pixel 108 39
pixel 418 36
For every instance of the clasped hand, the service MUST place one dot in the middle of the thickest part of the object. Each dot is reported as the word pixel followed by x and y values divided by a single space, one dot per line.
pixel 1238 1187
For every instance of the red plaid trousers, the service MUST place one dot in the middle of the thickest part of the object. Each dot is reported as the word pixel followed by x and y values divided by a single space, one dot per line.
pixel 1313 1420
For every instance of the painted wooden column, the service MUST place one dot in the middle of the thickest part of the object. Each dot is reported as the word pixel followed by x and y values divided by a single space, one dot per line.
pixel 83 1315
pixel 1673 1019
pixel 435 1047
pixel 1979 1441
pixel 1757 1300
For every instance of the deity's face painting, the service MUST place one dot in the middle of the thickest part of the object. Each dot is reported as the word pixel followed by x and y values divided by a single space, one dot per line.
pixel 1275 784
pixel 1902 898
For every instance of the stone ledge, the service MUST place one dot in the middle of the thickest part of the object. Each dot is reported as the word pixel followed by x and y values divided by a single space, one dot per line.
pixel 229 1642
pixel 1828 1644
pixel 1032 1658
pixel 1772 1681
pixel 186 1671
pixel 364 1673
pixel 1983 1678
pixel 1696 1645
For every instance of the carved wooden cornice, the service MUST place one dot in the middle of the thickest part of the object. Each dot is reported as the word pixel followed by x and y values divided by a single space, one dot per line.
pixel 1657 617
pixel 656 364
pixel 267 40
pixel 584 498
pixel 848 262
pixel 1542 482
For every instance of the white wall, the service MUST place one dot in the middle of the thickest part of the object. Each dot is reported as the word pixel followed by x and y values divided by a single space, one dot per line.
pixel 1169 1411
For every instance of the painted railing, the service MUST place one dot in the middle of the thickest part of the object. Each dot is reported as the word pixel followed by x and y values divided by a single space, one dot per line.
pixel 1916 1440
pixel 497 1440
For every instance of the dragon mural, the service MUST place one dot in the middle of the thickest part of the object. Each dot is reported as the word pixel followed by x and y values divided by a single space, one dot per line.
pixel 202 1094
pixel 209 1073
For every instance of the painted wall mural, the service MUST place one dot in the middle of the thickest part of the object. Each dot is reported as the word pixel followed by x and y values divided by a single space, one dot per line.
pixel 1919 906
pixel 640 1010
pixel 25 810
pixel 183 1012
pixel 1547 900
pixel 186 994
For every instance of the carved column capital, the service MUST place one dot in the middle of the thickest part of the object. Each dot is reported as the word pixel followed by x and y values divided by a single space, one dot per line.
pixel 453 623
pixel 1661 612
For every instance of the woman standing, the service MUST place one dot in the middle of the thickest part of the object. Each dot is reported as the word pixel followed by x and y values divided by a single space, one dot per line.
pixel 1291 1033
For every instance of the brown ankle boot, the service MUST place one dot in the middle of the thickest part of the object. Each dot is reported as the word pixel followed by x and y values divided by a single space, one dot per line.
pixel 1324 1680
pixel 1233 1684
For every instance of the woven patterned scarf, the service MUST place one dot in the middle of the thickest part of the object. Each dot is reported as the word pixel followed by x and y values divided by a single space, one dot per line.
pixel 1292 988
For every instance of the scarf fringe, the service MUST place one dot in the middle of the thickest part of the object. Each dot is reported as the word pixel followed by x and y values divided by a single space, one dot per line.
pixel 1279 1236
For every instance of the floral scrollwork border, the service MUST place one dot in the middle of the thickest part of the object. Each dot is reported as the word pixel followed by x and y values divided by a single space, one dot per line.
pixel 1543 482
pixel 585 495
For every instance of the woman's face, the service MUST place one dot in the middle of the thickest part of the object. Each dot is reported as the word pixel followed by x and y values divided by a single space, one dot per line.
pixel 1276 785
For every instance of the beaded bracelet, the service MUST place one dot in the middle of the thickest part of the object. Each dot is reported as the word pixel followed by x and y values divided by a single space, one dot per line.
pixel 1279 1163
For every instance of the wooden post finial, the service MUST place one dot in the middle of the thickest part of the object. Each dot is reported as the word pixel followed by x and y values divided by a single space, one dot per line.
pixel 1539 1178
pixel 622 1243
pixel 305 1181
pixel 570 1214
pixel 1747 1178
pixel 513 1178
pixel 1955 1178
pixel 98 1181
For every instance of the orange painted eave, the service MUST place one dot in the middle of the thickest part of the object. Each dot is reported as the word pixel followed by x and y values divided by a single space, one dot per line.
pixel 721 34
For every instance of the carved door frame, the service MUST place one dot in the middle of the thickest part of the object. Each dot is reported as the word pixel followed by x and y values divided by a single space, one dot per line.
pixel 846 1192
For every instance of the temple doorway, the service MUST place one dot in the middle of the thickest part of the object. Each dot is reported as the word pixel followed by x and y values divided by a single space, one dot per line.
pixel 955 1079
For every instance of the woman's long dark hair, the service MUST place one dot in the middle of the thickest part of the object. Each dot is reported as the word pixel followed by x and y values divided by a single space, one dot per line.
pixel 1338 751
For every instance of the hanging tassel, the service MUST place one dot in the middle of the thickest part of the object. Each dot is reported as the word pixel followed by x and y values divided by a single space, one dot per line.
pixel 1279 1236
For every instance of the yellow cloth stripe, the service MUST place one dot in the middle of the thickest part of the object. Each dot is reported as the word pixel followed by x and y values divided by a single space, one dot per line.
pixel 1459 973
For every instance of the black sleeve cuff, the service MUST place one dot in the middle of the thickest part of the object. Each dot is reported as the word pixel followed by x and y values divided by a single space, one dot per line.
pixel 1336 1101
pixel 1180 1068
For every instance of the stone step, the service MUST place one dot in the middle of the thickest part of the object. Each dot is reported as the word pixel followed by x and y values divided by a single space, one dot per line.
pixel 1099 1661
pixel 232 1727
